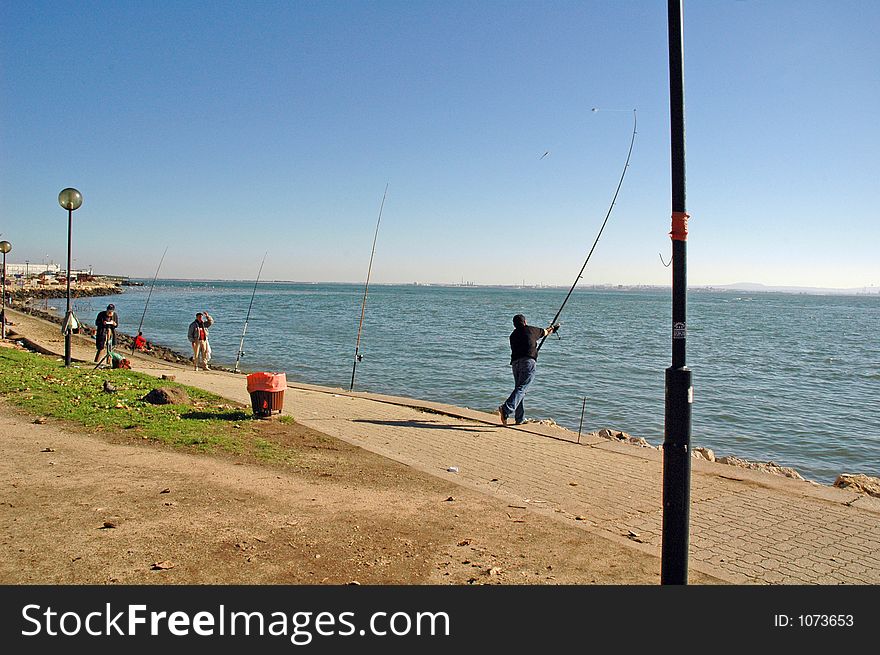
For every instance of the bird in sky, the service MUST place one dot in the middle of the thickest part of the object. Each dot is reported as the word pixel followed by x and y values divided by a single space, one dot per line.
pixel 544 155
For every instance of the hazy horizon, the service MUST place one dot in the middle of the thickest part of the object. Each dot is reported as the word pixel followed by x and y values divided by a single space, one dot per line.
pixel 736 286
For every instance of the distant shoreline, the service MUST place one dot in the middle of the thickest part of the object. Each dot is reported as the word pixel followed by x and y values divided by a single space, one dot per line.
pixel 744 287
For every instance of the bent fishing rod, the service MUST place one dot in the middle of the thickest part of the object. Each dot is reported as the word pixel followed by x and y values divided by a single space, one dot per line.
pixel 248 317
pixel 148 297
pixel 598 236
pixel 357 356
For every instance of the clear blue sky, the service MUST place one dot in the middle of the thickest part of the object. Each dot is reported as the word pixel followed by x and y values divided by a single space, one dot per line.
pixel 227 129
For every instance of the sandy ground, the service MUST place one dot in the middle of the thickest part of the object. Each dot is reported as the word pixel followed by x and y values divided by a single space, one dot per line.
pixel 82 508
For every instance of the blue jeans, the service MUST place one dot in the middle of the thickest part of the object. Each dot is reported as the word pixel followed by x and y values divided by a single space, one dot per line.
pixel 523 374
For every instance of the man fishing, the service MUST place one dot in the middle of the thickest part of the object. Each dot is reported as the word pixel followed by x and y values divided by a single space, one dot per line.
pixel 523 360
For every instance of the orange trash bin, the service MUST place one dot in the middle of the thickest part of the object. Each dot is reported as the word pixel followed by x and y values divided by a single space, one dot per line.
pixel 267 393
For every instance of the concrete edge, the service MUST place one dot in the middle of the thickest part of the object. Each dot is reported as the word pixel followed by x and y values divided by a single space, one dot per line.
pixel 698 466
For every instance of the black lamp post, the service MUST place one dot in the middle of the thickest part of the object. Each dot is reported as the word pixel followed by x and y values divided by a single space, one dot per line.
pixel 70 199
pixel 5 247
pixel 679 385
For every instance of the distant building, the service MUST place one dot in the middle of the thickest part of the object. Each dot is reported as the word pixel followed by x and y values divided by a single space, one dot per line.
pixel 32 269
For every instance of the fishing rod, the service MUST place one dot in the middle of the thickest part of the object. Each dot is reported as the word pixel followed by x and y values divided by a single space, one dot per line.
pixel 248 317
pixel 613 200
pixel 357 356
pixel 148 296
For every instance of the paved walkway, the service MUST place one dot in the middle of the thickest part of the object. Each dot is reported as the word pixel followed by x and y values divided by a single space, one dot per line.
pixel 746 527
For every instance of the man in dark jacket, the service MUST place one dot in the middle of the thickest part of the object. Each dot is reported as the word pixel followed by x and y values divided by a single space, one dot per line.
pixel 523 360
pixel 106 324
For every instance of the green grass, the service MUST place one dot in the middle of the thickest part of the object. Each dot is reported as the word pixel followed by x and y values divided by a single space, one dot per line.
pixel 44 386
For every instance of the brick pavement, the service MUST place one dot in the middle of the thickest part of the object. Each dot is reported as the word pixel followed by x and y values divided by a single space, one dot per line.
pixel 746 527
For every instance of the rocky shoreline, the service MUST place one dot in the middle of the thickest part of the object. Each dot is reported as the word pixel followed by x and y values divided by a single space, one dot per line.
pixel 858 482
pixel 21 295
pixel 123 341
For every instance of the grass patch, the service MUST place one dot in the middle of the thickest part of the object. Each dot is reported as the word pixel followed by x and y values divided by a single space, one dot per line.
pixel 44 386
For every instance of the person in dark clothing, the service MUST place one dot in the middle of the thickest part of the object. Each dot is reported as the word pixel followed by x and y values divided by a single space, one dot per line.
pixel 106 324
pixel 523 360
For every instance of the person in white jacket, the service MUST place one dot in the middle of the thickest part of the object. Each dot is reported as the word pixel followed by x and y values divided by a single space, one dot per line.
pixel 198 337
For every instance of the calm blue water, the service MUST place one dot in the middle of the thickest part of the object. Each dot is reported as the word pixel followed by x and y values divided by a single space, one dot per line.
pixel 793 379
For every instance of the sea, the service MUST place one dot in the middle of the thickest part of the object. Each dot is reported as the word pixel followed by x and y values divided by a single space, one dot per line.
pixel 782 377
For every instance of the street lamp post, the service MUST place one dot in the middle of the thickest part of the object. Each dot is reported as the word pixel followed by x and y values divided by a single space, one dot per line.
pixel 69 199
pixel 679 382
pixel 5 247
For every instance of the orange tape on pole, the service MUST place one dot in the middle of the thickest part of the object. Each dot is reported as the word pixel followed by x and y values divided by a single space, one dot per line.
pixel 679 226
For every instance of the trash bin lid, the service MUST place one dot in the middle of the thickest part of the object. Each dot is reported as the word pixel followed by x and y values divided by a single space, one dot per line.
pixel 262 381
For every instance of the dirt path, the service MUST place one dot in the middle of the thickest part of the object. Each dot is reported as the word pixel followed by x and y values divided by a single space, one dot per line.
pixel 350 516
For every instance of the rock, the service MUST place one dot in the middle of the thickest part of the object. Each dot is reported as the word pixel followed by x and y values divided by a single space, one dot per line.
pixel 110 524
pixel 48 450
pixel 787 471
pixel 167 396
pixel 605 433
pixel 706 453
pixel 864 484
pixel 163 565
pixel 166 490
pixel 766 467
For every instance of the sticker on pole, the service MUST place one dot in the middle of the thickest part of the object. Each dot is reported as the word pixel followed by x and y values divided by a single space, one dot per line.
pixel 679 330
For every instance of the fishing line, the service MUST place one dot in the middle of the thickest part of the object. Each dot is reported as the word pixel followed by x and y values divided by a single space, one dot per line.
pixel 248 317
pixel 357 356
pixel 607 215
pixel 148 296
